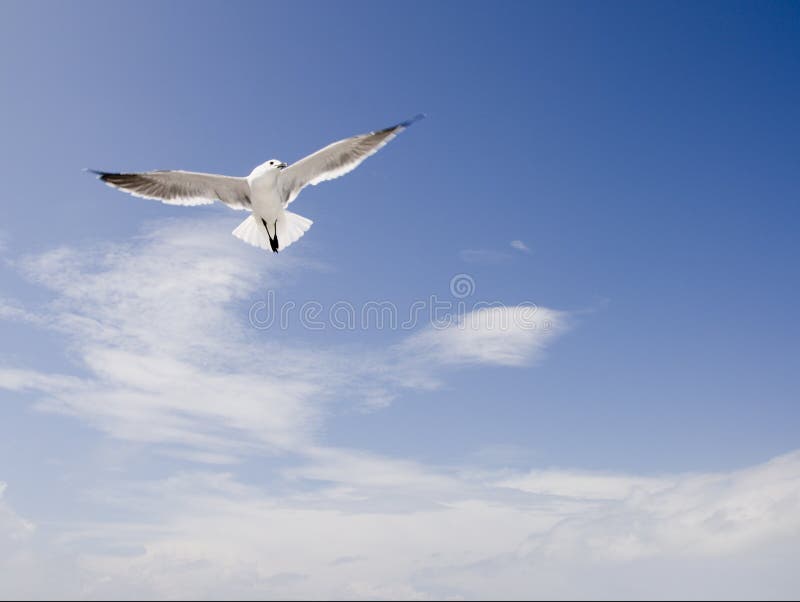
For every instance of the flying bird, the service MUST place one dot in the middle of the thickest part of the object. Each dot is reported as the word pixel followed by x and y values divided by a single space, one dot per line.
pixel 266 192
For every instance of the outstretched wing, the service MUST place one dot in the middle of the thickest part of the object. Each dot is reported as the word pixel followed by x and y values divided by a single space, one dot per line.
pixel 335 159
pixel 182 187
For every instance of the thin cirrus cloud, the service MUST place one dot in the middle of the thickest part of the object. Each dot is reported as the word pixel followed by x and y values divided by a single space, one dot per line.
pixel 168 359
pixel 492 256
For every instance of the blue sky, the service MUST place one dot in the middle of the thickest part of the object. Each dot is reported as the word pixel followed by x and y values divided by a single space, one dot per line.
pixel 646 154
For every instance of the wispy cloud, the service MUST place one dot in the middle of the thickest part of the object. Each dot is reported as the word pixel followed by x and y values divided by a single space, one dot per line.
pixel 492 256
pixel 165 362
pixel 12 526
pixel 20 559
pixel 167 359
pixel 506 336
pixel 520 246
pixel 584 485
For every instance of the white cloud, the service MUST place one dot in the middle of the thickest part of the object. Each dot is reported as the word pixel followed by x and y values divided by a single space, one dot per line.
pixel 14 311
pixel 584 485
pixel 506 336
pixel 165 359
pixel 26 554
pixel 169 361
pixel 12 526
pixel 455 535
pixel 357 475
pixel 520 246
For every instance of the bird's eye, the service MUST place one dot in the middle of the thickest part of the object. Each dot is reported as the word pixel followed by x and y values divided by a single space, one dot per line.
pixel 271 162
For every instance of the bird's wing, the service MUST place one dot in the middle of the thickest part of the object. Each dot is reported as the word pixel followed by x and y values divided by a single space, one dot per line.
pixel 182 187
pixel 335 159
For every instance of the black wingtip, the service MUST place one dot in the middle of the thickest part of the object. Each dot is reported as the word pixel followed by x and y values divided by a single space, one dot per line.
pixel 403 124
pixel 413 120
pixel 99 174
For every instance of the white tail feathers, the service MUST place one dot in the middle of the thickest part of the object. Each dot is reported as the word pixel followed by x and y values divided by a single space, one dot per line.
pixel 290 227
pixel 253 233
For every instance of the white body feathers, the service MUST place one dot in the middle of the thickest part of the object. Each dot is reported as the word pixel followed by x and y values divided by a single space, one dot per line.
pixel 269 217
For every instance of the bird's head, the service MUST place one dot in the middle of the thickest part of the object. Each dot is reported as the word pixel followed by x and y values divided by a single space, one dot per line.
pixel 268 166
pixel 275 164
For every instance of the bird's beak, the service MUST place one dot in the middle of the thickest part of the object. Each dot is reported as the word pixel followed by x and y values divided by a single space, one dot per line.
pixel 282 166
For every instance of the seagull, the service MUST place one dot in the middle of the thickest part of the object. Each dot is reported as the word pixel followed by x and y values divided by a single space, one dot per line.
pixel 266 192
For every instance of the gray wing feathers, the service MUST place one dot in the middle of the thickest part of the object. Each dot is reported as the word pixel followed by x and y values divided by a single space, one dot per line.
pixel 182 187
pixel 336 159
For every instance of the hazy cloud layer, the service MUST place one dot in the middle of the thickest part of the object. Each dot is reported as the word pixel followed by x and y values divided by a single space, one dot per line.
pixel 164 358
pixel 376 528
